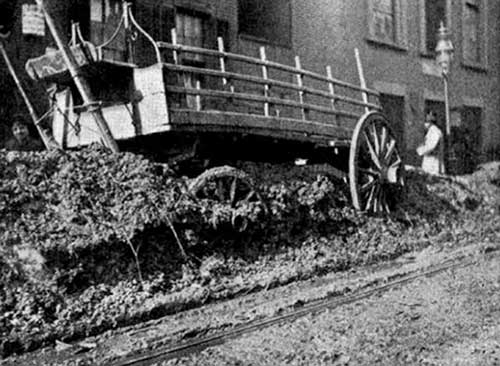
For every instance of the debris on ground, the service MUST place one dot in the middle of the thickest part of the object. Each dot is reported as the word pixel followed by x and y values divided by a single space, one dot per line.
pixel 91 240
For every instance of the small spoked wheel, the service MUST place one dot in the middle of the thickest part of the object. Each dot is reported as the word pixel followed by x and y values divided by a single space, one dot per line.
pixel 224 184
pixel 230 186
pixel 375 165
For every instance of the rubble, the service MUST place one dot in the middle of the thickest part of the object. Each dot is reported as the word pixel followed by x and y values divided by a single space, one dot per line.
pixel 87 245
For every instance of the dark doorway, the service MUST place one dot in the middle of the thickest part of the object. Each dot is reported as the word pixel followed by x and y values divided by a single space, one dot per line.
pixel 466 139
pixel 464 143
pixel 394 109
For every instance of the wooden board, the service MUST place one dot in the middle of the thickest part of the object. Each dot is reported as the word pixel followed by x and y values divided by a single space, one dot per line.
pixel 291 129
pixel 152 106
pixel 52 65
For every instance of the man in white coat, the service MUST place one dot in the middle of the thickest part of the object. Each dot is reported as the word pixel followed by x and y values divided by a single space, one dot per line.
pixel 432 150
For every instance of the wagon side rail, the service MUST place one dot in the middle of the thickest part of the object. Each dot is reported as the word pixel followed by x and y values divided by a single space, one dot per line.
pixel 299 92
pixel 332 99
pixel 260 62
pixel 250 86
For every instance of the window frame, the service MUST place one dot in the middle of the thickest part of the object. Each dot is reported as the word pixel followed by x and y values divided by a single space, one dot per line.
pixel 400 26
pixel 288 43
pixel 193 59
pixel 482 64
pixel 97 29
pixel 423 26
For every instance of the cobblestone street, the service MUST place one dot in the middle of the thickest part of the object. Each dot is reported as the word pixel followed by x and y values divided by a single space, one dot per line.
pixel 449 319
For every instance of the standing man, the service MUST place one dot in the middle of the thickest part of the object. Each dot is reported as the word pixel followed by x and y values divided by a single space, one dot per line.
pixel 432 150
pixel 21 139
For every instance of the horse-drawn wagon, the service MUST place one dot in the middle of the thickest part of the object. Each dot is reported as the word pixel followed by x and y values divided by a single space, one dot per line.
pixel 209 105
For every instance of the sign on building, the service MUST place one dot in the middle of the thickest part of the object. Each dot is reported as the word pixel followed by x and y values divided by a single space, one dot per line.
pixel 33 20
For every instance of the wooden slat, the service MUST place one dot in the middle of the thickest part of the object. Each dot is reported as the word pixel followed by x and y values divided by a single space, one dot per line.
pixel 261 99
pixel 266 85
pixel 198 96
pixel 244 123
pixel 331 89
pixel 222 61
pixel 301 87
pixel 175 49
pixel 362 81
pixel 272 82
pixel 269 64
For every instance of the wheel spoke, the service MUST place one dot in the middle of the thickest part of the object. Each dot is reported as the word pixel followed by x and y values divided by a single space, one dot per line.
pixel 381 199
pixel 249 195
pixel 372 152
pixel 370 198
pixel 383 139
pixel 232 192
pixel 390 151
pixel 376 199
pixel 401 181
pixel 368 186
pixel 369 171
pixel 220 190
pixel 374 133
pixel 386 205
pixel 396 163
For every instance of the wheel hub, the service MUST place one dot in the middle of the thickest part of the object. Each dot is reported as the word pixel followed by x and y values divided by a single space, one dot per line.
pixel 390 174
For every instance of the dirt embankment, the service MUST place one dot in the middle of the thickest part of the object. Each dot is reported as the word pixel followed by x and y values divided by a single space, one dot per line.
pixel 91 241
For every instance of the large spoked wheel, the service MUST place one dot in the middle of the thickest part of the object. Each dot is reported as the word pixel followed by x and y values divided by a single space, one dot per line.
pixel 375 165
pixel 224 184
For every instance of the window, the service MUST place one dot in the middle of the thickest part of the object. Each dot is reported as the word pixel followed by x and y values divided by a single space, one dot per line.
pixel 433 12
pixel 104 19
pixel 384 20
pixel 189 28
pixel 158 20
pixel 473 33
pixel 269 20
pixel 387 22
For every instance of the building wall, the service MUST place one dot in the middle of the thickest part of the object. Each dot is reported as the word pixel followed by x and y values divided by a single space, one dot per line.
pixel 326 32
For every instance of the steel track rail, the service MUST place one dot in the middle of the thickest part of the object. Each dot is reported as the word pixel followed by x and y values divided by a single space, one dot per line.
pixel 189 347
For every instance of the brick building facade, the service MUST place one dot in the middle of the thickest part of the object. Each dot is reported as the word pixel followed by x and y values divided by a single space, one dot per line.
pixel 396 39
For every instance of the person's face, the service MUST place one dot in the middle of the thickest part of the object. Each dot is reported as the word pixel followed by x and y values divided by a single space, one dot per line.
pixel 428 121
pixel 20 132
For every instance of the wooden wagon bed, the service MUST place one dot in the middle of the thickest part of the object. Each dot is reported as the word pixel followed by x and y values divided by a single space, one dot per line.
pixel 201 91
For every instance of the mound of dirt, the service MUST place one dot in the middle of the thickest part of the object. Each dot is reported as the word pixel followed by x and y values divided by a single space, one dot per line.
pixel 92 240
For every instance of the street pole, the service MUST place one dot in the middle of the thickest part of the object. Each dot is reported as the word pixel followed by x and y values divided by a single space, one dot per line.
pixel 447 140
pixel 444 55
pixel 80 82
pixel 447 105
